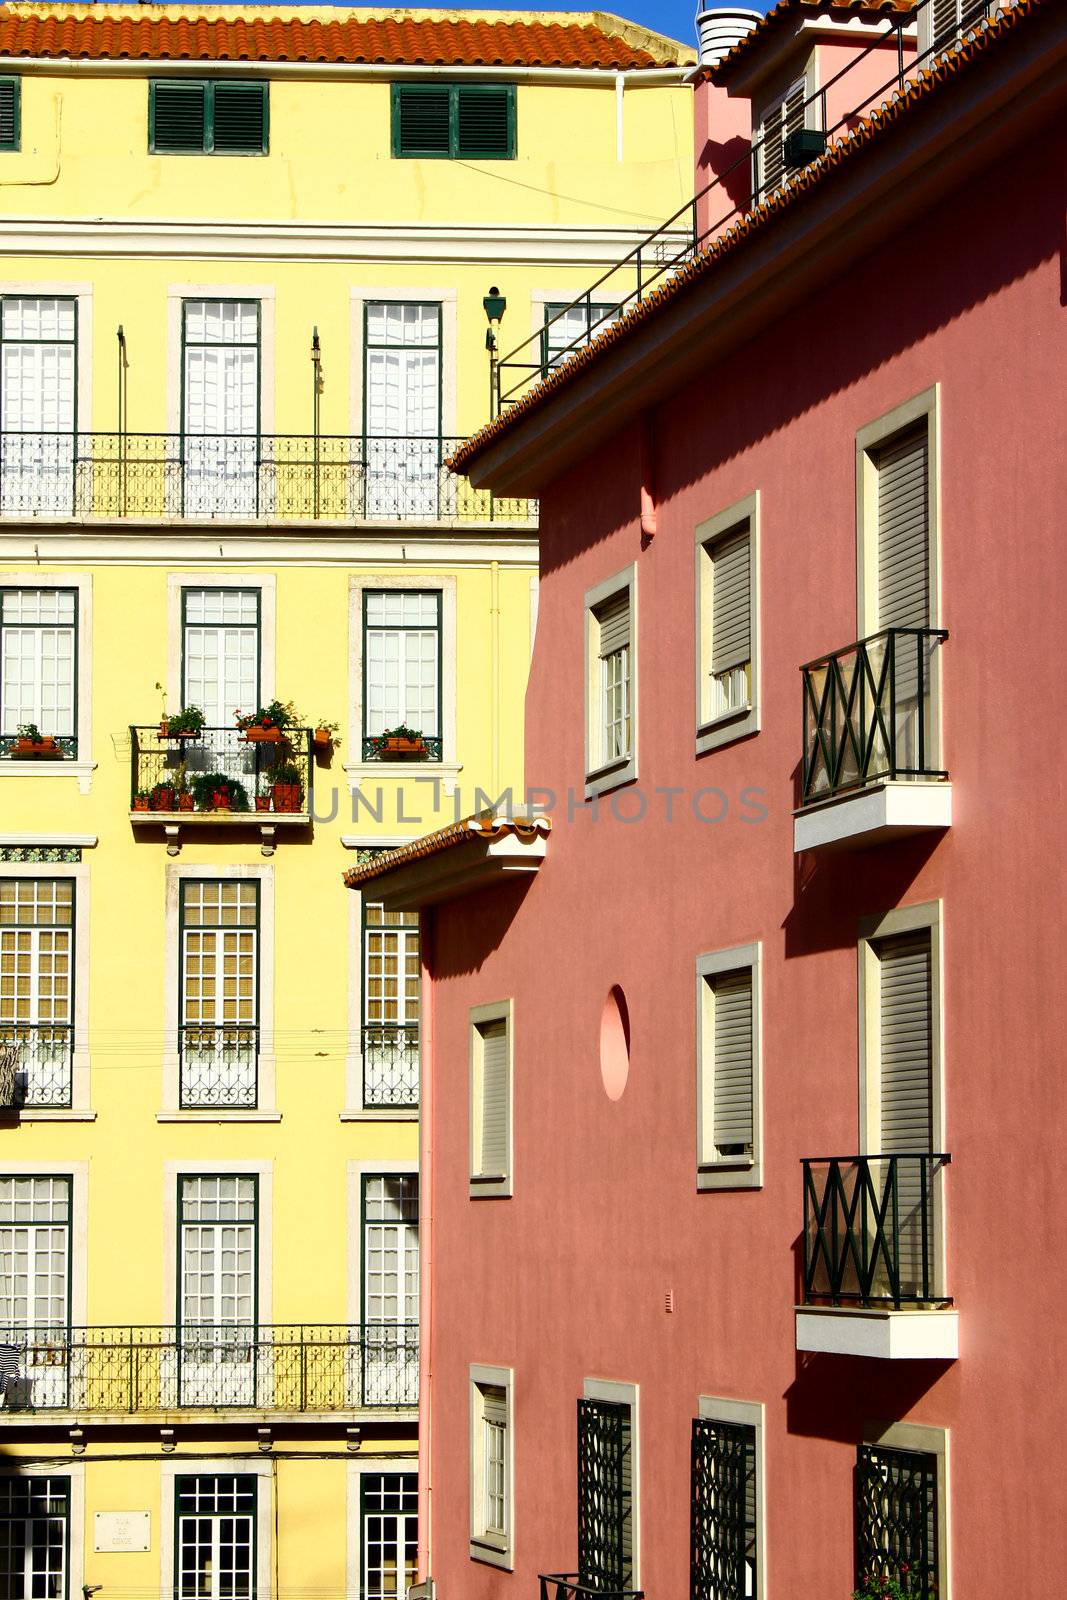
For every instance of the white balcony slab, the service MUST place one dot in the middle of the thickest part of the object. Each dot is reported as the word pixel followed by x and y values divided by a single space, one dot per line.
pixel 869 816
pixel 884 1335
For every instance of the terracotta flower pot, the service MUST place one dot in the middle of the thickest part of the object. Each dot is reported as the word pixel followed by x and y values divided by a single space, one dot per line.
pixel 220 802
pixel 140 802
pixel 260 735
pixel 164 728
pixel 262 802
pixel 163 800
pixel 323 738
pixel 286 796
pixel 185 800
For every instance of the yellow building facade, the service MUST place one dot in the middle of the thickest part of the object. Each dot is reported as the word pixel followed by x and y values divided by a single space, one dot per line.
pixel 243 260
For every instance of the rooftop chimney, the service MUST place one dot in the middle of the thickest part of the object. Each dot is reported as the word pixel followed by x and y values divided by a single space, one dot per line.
pixel 721 27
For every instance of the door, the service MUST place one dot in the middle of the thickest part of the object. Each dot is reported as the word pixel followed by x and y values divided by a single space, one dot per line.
pixel 903 576
pixel 389 1504
pixel 391 974
pixel 390 1374
pixel 35 1342
pixel 402 665
pixel 34 1537
pixel 402 409
pixel 215 1550
pixel 37 404
pixel 36 985
pixel 219 922
pixel 221 675
pixel 218 1299
pixel 906 1096
pixel 220 407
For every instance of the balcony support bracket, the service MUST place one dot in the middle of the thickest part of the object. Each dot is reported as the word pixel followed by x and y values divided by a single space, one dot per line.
pixel 173 837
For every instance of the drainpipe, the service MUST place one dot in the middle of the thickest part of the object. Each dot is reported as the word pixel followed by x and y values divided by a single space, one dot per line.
pixel 620 88
pixel 494 673
pixel 426 1213
pixel 647 463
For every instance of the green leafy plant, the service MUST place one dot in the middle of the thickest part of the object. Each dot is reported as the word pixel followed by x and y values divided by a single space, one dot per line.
pixel 159 794
pixel 381 740
pixel 206 786
pixel 285 772
pixel 30 731
pixel 328 728
pixel 278 714
pixel 190 719
pixel 881 1587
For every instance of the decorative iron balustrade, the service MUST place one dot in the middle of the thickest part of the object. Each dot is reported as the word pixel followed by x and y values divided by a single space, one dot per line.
pixel 219 1065
pixel 66 744
pixel 390 1066
pixel 432 751
pixel 731 196
pixel 868 712
pixel 120 1370
pixel 569 1586
pixel 171 772
pixel 38 1059
pixel 870 1227
pixel 242 477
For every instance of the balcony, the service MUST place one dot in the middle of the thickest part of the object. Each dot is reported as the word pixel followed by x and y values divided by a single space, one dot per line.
pixel 872 1259
pixel 36 1059
pixel 218 1066
pixel 220 779
pixel 270 478
pixel 871 741
pixel 390 1067
pixel 569 1586
pixel 133 1372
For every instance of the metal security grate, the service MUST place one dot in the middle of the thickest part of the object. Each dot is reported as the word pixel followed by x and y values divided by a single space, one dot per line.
pixel 896 1519
pixel 605 1481
pixel 722 1557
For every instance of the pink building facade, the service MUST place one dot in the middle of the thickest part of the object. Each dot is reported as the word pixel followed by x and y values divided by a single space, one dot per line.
pixel 743 1109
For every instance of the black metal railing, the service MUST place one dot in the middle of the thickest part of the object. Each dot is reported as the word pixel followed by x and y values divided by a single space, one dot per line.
pixel 219 1065
pixel 373 751
pixel 868 713
pixel 66 743
pixel 37 1060
pixel 242 477
pixel 870 1225
pixel 131 1370
pixel 390 1065
pixel 731 195
pixel 174 774
pixel 569 1586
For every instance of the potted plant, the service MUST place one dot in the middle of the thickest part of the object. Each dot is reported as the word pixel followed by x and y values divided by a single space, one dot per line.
pixel 216 791
pixel 188 723
pixel 185 799
pixel 285 787
pixel 268 724
pixel 324 735
pixel 401 742
pixel 263 802
pixel 142 800
pixel 161 797
pixel 883 1588
pixel 30 742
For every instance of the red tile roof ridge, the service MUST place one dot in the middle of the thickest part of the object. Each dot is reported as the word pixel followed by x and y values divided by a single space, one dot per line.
pixel 482 826
pixel 868 130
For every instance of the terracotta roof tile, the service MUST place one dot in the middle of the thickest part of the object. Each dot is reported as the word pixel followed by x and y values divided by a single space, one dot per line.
pixel 779 15
pixel 404 39
pixel 868 130
pixel 472 830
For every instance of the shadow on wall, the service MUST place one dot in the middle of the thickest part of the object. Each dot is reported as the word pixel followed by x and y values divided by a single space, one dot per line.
pixel 829 1392
pixel 471 929
pixel 832 892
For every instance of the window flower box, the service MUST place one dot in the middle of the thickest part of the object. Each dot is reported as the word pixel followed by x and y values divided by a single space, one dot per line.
pixel 36 749
pixel 400 744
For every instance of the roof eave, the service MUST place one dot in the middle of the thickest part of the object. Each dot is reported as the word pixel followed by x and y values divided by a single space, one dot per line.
pixel 465 868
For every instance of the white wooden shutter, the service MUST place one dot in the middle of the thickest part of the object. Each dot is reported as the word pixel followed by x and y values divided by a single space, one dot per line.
pixel 903 532
pixel 732 1067
pixel 614 619
pixel 954 17
pixel 905 1054
pixel 731 623
pixel 784 118
pixel 493 1045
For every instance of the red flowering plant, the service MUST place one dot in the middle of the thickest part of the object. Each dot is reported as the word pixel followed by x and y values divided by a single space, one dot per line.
pixel 278 714
pixel 880 1587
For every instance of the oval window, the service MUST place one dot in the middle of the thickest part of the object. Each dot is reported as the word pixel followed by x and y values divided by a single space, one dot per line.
pixel 615 1043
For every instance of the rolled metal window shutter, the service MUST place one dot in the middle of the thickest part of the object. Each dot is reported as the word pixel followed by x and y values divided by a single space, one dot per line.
pixel 732 1074
pixel 906 1055
pixel 9 90
pixel 240 116
pixel 614 619
pixel 482 120
pixel 494 1047
pixel 177 115
pixel 731 621
pixel 423 117
pixel 903 532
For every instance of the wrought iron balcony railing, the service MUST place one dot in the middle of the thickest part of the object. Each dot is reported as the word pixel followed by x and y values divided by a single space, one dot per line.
pixel 37 1059
pixel 868 713
pixel 390 1066
pixel 135 1370
pixel 569 1586
pixel 220 771
pixel 242 477
pixel 219 1065
pixel 66 743
pixel 431 751
pixel 870 1230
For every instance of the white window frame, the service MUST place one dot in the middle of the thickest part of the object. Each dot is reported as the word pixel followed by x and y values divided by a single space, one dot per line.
pixel 354 1109
pixel 625 1394
pixel 714 731
pixel 497 1550
pixel 905 919
pixel 177 294
pixel 84 766
pixel 266 1108
pixel 367 1466
pixel 249 1466
pixel 203 578
pixel 487 1186
pixel 729 1172
pixel 74 1472
pixel 78 1173
pixel 356 1172
pixel 374 773
pixel 930 1441
pixel 170 1254
pixel 746 1413
pixel 600 775
pixel 80 1108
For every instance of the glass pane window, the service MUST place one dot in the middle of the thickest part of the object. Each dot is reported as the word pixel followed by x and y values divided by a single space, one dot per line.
pixel 221 652
pixel 494 1459
pixel 570 327
pixel 218 1228
pixel 38 653
pixel 390 1505
pixel 216 1525
pixel 402 662
pixel 35 1218
pixel 220 407
pixel 402 408
pixel 391 1249
pixel 391 967
pixel 36 986
pixel 219 923
pixel 38 403
pixel 34 1518
pixel 615 703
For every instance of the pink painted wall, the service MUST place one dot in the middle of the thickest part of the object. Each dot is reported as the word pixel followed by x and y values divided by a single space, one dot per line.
pixel 722 130
pixel 864 85
pixel 566 1280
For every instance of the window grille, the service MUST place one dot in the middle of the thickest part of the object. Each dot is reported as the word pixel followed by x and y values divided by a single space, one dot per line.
pixel 723 1511
pixel 897 1519
pixel 37 986
pixel 605 1495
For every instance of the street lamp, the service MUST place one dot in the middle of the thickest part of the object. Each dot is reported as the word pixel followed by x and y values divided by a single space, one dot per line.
pixel 494 305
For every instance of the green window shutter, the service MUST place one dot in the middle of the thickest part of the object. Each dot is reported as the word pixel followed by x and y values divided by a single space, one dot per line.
pixel 10 112
pixel 176 114
pixel 420 119
pixel 485 121
pixel 240 120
